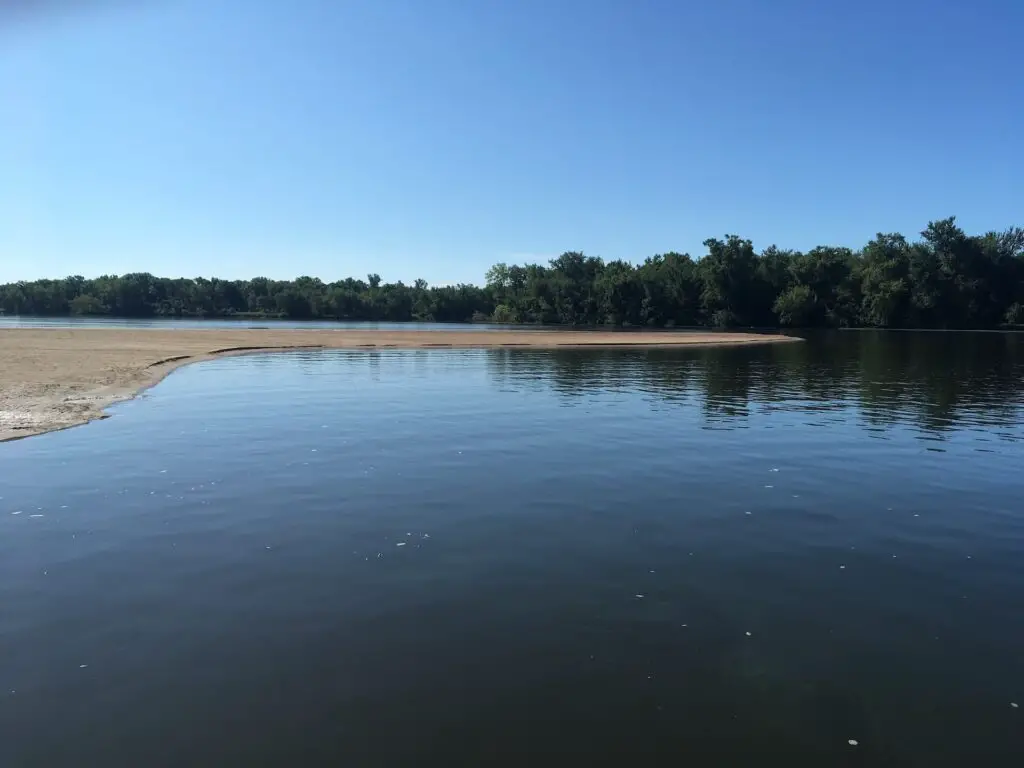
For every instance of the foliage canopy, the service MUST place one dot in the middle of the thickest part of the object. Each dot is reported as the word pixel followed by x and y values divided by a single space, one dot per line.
pixel 947 279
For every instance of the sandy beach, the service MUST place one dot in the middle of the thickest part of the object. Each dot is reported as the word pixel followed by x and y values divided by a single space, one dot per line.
pixel 57 378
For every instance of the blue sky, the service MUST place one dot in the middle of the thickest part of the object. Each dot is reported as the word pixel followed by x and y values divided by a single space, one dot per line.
pixel 433 138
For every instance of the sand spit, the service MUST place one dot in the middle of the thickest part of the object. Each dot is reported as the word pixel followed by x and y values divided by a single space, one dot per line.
pixel 55 378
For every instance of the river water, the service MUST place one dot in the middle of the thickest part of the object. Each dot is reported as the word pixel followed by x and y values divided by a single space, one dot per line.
pixel 169 323
pixel 807 553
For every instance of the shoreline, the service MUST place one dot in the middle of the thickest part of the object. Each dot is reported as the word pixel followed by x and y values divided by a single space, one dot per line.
pixel 53 379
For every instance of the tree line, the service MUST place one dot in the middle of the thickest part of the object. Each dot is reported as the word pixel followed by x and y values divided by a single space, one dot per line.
pixel 945 279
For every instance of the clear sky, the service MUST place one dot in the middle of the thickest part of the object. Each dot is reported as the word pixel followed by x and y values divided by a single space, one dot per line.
pixel 432 138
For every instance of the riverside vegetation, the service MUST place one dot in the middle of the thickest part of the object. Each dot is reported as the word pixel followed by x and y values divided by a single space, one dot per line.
pixel 946 279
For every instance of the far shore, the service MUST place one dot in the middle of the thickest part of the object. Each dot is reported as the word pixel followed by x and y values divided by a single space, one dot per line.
pixel 56 378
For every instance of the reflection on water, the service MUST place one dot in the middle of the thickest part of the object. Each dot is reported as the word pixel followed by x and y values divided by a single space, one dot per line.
pixel 806 553
pixel 934 381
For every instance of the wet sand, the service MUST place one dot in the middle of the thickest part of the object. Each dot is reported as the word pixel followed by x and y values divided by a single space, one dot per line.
pixel 56 378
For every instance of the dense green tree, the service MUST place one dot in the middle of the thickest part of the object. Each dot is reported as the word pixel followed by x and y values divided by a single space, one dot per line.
pixel 618 294
pixel 827 273
pixel 729 274
pixel 671 290
pixel 87 304
pixel 947 279
pixel 885 282
pixel 797 306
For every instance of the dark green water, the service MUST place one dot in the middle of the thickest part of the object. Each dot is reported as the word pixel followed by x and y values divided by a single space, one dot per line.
pixel 505 558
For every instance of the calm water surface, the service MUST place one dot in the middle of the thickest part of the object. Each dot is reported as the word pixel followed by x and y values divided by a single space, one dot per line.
pixel 167 323
pixel 507 557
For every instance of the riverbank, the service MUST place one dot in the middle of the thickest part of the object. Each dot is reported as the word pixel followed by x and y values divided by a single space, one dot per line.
pixel 56 378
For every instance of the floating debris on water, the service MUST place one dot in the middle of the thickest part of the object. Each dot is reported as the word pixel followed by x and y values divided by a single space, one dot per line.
pixel 400 544
pixel 426 535
pixel 769 486
pixel 16 513
pixel 1014 705
pixel 82 666
pixel 639 597
pixel 749 635
pixel 842 567
pixel 36 515
pixel 747 512
pixel 853 742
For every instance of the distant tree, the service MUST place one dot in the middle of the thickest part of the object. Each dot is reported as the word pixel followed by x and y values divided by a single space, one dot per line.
pixel 797 306
pixel 504 314
pixel 86 304
pixel 947 279
pixel 292 303
pixel 730 284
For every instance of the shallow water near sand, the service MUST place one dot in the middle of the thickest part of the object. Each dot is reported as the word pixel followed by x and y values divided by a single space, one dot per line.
pixel 660 557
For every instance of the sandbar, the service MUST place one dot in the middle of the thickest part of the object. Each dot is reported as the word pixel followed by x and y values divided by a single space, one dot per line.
pixel 55 378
